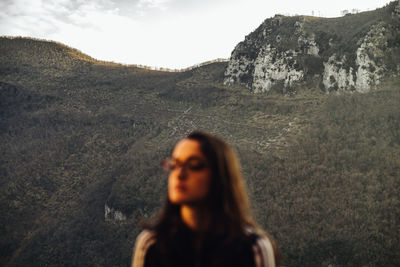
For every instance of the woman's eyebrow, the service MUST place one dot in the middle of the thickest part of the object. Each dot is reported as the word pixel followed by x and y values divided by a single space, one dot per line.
pixel 189 158
pixel 195 158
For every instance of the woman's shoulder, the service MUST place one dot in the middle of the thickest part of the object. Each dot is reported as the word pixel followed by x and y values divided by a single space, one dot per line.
pixel 146 236
pixel 143 242
pixel 262 247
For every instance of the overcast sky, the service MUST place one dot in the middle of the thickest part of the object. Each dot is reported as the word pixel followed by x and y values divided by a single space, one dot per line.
pixel 161 33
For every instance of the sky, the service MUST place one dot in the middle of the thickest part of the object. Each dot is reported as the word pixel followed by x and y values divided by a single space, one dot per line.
pixel 158 33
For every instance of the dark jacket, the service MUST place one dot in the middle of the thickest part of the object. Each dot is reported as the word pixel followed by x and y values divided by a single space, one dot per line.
pixel 250 249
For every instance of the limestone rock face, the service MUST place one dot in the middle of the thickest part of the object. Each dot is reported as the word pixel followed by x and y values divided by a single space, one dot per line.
pixel 336 76
pixel 111 214
pixel 368 62
pixel 264 59
pixel 369 59
pixel 272 66
pixel 288 51
pixel 238 69
pixel 309 45
pixel 396 11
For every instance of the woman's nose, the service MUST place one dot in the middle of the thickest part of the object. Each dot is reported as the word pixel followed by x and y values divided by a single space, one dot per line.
pixel 182 172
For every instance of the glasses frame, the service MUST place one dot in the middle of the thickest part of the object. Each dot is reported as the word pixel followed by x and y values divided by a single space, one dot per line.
pixel 171 164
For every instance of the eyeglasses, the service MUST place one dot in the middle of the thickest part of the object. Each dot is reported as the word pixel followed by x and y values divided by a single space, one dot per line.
pixel 192 164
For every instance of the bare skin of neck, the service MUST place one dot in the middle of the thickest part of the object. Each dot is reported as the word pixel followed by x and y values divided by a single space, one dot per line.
pixel 195 217
pixel 198 219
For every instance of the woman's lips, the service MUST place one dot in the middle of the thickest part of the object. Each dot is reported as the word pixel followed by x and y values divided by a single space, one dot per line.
pixel 180 187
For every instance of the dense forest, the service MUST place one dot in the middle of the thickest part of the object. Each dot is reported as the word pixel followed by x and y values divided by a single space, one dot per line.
pixel 77 134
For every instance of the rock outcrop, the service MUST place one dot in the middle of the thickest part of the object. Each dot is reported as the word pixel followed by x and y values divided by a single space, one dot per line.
pixel 350 53
pixel 336 76
pixel 272 66
pixel 267 58
pixel 396 11
pixel 111 214
pixel 368 62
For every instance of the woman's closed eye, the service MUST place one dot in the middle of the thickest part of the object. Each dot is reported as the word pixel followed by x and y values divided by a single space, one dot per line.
pixel 195 164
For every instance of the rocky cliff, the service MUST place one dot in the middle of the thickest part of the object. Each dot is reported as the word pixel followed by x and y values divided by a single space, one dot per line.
pixel 351 53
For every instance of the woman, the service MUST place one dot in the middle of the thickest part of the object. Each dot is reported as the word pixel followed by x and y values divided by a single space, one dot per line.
pixel 206 220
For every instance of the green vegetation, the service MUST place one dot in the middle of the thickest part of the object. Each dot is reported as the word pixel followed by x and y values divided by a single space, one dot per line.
pixel 344 32
pixel 76 134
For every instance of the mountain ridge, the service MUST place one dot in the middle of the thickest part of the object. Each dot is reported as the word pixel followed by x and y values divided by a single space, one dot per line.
pixel 80 55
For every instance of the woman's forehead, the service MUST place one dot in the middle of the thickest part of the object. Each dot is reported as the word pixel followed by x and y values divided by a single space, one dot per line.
pixel 187 148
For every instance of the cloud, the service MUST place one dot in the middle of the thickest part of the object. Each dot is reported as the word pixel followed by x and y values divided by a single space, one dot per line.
pixel 36 17
pixel 47 18
pixel 159 4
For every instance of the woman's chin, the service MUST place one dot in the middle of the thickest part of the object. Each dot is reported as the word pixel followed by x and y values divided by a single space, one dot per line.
pixel 177 200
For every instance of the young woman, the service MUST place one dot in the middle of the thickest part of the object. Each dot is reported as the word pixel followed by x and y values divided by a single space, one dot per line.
pixel 206 220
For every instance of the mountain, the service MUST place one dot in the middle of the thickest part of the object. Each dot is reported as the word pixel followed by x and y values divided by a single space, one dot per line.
pixel 351 53
pixel 81 141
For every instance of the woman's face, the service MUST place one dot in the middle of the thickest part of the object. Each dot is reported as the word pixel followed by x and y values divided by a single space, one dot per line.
pixel 190 176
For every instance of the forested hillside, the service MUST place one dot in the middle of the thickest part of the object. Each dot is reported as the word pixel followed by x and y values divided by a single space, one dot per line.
pixel 77 135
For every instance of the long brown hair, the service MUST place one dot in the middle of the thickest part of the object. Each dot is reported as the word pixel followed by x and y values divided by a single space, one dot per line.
pixel 227 201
